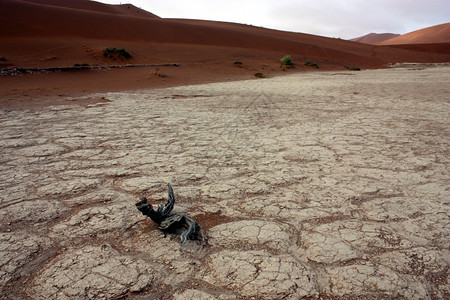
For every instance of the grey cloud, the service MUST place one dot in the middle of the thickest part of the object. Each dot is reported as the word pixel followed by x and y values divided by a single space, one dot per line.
pixel 332 18
pixel 353 18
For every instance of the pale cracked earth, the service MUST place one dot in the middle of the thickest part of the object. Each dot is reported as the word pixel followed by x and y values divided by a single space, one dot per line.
pixel 309 186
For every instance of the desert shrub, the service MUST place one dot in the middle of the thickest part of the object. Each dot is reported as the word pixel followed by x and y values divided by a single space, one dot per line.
pixel 107 52
pixel 352 68
pixel 286 62
pixel 311 64
pixel 2 58
pixel 238 63
pixel 76 65
pixel 259 75
pixel 112 52
pixel 124 53
pixel 81 65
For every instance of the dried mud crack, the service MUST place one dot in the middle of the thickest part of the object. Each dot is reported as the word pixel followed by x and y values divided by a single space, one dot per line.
pixel 309 186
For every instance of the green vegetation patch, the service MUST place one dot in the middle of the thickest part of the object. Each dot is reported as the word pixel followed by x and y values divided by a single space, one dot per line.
pixel 286 62
pixel 114 52
pixel 311 64
pixel 352 68
pixel 259 75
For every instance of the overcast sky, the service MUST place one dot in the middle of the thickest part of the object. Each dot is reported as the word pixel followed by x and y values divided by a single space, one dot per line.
pixel 332 18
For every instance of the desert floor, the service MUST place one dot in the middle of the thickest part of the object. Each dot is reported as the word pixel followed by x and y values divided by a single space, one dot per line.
pixel 325 184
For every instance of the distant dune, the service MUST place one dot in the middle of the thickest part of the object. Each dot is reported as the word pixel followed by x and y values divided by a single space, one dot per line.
pixel 430 35
pixel 124 9
pixel 373 38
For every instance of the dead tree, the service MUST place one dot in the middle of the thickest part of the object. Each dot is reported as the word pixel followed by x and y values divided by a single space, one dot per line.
pixel 180 224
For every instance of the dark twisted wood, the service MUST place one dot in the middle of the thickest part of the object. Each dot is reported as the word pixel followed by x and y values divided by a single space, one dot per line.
pixel 181 224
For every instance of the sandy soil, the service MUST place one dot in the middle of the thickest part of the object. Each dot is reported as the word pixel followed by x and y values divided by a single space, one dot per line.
pixel 330 185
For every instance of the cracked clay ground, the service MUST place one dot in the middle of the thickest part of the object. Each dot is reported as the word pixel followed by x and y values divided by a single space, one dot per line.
pixel 309 186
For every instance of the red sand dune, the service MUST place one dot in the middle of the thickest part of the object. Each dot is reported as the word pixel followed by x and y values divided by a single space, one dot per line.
pixel 83 20
pixel 430 35
pixel 442 48
pixel 373 38
pixel 124 9
pixel 53 33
